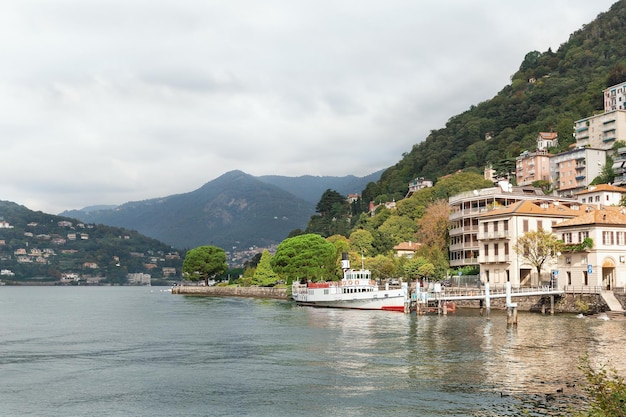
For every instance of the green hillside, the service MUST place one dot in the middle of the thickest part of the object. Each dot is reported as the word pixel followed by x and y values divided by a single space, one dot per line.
pixel 550 91
pixel 36 246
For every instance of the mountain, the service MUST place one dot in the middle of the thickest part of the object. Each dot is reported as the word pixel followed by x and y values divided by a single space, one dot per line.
pixel 39 246
pixel 550 91
pixel 310 188
pixel 234 211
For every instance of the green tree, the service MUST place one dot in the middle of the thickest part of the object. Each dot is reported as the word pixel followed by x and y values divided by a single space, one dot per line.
pixel 264 274
pixel 607 175
pixel 307 256
pixel 361 241
pixel 537 248
pixel 399 228
pixel 381 266
pixel 418 267
pixel 605 389
pixel 204 262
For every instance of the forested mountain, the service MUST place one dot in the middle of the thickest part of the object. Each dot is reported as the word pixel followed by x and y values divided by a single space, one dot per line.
pixel 550 91
pixel 40 246
pixel 235 210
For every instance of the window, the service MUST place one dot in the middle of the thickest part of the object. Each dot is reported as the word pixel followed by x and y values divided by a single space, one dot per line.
pixel 485 227
pixel 539 224
pixel 486 250
pixel 568 260
pixel 608 238
pixel 585 278
pixel 495 226
pixel 506 248
pixel 496 247
pixel 582 236
pixel 525 226
pixel 567 237
pixel 569 278
pixel 506 225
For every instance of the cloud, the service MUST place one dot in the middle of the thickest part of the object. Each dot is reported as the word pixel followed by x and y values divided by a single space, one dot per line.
pixel 105 102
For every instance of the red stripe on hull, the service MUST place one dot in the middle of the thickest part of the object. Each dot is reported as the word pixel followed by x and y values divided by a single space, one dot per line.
pixel 393 308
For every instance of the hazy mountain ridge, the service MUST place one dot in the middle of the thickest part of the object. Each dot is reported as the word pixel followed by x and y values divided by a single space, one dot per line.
pixel 234 210
pixel 311 188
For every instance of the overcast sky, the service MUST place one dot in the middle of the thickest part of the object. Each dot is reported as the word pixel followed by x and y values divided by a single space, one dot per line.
pixel 109 101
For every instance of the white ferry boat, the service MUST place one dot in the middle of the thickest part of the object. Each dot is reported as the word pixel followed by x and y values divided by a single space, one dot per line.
pixel 356 290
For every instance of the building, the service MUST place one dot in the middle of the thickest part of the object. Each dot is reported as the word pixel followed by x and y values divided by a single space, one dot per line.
pixel 406 249
pixel 465 209
pixel 619 167
pixel 600 262
pixel 602 130
pixel 498 230
pixel 532 166
pixel 547 140
pixel 418 184
pixel 574 170
pixel 602 194
pixel 615 97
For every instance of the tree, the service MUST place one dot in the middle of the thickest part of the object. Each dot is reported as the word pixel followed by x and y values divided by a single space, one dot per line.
pixel 419 267
pixel 264 274
pixel 204 262
pixel 537 248
pixel 361 241
pixel 381 266
pixel 433 226
pixel 605 389
pixel 307 256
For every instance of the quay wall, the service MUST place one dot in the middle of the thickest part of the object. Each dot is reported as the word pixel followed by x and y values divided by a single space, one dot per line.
pixel 217 291
pixel 566 303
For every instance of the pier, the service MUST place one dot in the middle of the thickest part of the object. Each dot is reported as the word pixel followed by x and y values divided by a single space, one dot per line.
pixel 442 296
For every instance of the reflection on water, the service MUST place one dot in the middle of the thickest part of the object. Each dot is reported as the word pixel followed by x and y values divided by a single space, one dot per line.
pixel 127 351
pixel 436 357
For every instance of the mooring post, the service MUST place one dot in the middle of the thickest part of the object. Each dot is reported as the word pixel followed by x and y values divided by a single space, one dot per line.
pixel 487 299
pixel 552 305
pixel 511 308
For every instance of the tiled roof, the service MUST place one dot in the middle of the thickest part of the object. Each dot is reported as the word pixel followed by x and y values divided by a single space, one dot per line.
pixel 529 208
pixel 407 246
pixel 605 215
pixel 548 135
pixel 603 187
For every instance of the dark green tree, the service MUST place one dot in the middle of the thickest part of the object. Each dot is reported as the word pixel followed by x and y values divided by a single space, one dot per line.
pixel 307 256
pixel 204 262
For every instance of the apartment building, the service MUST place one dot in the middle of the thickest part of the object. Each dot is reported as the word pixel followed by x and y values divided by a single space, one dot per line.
pixel 532 166
pixel 468 206
pixel 602 130
pixel 574 170
pixel 615 97
pixel 498 230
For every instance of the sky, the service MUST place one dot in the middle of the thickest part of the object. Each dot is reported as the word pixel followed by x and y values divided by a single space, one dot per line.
pixel 110 101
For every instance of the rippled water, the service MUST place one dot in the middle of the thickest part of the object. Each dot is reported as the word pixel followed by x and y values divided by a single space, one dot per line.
pixel 142 352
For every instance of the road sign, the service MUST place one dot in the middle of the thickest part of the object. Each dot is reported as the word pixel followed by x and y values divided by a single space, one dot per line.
pixel 589 269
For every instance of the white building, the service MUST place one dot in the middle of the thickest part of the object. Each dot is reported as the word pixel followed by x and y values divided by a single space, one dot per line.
pixel 601 267
pixel 602 194
pixel 498 230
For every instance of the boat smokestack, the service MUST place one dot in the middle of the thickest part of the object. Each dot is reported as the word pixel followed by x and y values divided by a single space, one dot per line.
pixel 345 262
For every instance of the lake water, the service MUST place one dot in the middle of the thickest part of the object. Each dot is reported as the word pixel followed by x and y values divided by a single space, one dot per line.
pixel 131 351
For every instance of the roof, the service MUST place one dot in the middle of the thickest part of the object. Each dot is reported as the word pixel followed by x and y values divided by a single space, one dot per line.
pixel 407 246
pixel 604 215
pixel 529 208
pixel 548 135
pixel 603 187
